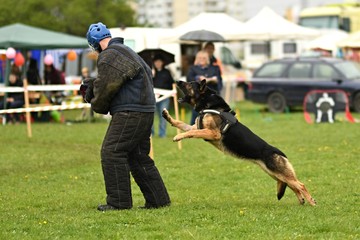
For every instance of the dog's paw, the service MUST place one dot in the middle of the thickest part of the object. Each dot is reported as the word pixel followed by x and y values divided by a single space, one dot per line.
pixel 313 202
pixel 177 138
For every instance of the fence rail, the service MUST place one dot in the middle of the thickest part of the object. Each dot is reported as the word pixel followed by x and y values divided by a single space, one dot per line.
pixel 160 95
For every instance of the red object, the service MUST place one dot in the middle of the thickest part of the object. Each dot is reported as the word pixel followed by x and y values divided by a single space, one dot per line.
pixel 19 59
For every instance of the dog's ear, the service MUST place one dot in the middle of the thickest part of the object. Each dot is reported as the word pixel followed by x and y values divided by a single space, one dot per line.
pixel 202 85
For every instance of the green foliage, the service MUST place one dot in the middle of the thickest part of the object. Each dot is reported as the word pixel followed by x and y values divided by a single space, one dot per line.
pixel 73 17
pixel 52 183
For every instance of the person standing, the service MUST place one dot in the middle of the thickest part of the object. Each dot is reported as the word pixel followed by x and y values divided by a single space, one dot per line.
pixel 123 88
pixel 52 75
pixel 32 73
pixel 33 77
pixel 203 70
pixel 209 47
pixel 85 73
pixel 162 79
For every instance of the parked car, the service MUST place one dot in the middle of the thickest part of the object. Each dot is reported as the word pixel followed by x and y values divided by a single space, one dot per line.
pixel 284 83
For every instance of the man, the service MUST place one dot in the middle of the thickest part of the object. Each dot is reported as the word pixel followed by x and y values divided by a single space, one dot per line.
pixel 124 88
pixel 162 79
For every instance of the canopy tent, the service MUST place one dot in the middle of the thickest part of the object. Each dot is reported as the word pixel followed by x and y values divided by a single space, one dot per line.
pixel 267 25
pixel 352 41
pixel 22 36
pixel 140 38
pixel 328 41
pixel 220 23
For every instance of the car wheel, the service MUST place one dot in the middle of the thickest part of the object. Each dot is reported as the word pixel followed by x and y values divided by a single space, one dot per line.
pixel 356 103
pixel 276 102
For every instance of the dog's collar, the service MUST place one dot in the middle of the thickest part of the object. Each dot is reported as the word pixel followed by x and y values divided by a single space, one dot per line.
pixel 228 119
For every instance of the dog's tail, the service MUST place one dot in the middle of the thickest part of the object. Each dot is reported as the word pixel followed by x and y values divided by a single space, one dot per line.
pixel 281 187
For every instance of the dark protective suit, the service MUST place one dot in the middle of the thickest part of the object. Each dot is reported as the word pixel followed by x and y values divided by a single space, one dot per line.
pixel 124 88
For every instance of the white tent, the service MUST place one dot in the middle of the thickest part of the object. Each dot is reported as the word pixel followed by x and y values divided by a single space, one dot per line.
pixel 267 25
pixel 140 38
pixel 220 23
pixel 352 41
pixel 328 41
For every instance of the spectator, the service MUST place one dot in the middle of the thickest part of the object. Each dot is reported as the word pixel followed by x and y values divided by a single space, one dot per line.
pixel 203 70
pixel 15 70
pixel 209 47
pixel 32 74
pixel 124 89
pixel 14 100
pixel 52 75
pixel 33 78
pixel 162 79
pixel 84 73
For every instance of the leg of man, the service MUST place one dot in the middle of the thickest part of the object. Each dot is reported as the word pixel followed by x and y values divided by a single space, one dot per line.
pixel 143 168
pixel 114 160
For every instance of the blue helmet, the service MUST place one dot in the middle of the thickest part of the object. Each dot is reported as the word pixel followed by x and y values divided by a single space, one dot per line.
pixel 95 34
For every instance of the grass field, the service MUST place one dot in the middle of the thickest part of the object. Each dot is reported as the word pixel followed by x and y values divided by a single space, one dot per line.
pixel 52 183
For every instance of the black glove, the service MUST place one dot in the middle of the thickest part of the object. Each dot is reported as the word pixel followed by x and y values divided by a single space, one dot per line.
pixel 86 89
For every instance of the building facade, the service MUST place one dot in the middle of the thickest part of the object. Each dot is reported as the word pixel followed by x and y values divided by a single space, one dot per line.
pixel 171 13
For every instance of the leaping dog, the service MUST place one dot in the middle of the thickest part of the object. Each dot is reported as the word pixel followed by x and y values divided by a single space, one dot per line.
pixel 217 124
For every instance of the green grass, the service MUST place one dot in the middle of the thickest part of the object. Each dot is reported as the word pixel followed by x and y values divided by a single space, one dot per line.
pixel 52 183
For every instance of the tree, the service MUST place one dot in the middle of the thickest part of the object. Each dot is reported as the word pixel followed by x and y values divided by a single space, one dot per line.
pixel 73 17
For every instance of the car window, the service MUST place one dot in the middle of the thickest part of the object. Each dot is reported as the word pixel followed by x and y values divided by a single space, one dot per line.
pixel 227 57
pixel 322 70
pixel 299 70
pixel 349 69
pixel 271 70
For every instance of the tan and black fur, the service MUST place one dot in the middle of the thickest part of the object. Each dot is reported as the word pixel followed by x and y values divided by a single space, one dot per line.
pixel 238 140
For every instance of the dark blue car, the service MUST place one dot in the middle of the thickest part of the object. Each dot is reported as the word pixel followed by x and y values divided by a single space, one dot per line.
pixel 284 83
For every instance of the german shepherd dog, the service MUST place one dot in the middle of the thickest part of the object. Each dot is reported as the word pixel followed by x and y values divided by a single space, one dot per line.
pixel 219 126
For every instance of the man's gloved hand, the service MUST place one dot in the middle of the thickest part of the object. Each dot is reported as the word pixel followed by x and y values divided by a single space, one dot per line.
pixel 86 89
